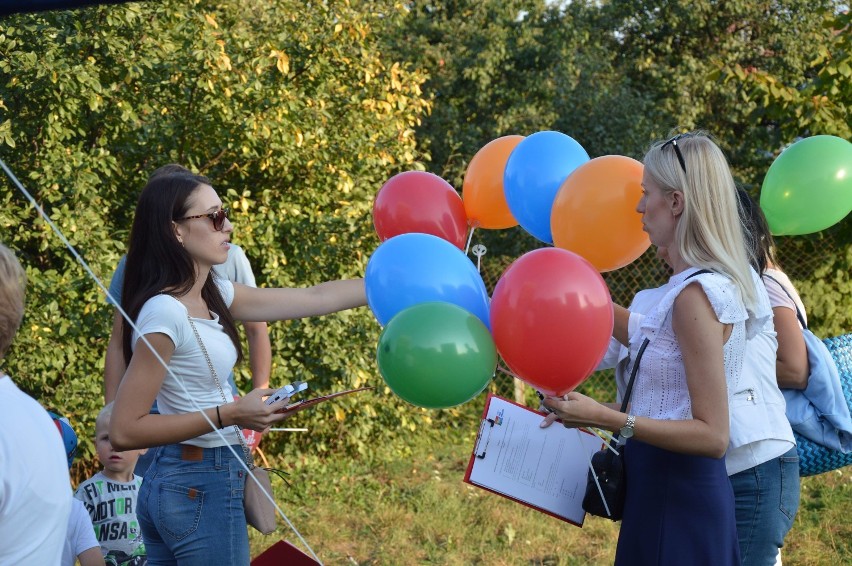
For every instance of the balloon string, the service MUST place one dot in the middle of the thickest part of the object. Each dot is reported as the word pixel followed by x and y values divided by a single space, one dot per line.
pixel 605 437
pixel 507 372
pixel 467 247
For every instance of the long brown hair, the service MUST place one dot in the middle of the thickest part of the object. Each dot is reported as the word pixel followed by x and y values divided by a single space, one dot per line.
pixel 157 261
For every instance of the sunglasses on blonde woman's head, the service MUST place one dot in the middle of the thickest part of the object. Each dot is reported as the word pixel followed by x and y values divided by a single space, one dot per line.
pixel 218 218
pixel 673 142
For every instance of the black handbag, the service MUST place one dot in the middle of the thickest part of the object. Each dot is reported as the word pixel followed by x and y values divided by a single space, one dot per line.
pixel 608 465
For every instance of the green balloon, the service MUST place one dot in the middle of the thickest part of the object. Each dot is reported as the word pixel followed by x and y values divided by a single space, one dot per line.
pixel 808 187
pixel 436 355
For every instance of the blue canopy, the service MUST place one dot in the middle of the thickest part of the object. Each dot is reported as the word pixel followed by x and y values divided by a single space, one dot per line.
pixel 15 6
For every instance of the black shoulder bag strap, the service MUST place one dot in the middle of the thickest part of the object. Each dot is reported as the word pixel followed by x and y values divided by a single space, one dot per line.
pixel 644 345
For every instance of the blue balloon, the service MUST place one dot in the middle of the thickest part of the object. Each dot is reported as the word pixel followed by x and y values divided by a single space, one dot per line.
pixel 534 172
pixel 414 268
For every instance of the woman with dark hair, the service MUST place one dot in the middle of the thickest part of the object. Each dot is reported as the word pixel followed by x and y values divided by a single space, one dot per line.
pixel 792 364
pixel 764 464
pixel 191 501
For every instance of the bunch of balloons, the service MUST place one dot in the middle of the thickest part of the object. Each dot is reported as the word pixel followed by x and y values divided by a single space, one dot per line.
pixel 551 314
pixel 808 188
pixel 435 350
pixel 547 184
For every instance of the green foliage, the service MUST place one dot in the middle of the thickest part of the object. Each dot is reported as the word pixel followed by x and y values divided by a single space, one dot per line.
pixel 490 66
pixel 823 280
pixel 300 113
pixel 293 113
pixel 675 52
pixel 821 103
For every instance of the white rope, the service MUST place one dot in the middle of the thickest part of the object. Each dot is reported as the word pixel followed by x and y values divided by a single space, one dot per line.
pixel 605 437
pixel 79 258
pixel 469 238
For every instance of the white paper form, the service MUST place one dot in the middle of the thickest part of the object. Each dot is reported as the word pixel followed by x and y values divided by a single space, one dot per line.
pixel 543 468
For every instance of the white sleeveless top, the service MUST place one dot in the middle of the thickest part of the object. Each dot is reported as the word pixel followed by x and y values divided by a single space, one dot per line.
pixel 660 391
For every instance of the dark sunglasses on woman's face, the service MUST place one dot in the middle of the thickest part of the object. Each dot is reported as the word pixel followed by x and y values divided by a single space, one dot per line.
pixel 218 218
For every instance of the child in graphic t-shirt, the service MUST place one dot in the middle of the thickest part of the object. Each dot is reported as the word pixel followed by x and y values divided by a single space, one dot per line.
pixel 110 498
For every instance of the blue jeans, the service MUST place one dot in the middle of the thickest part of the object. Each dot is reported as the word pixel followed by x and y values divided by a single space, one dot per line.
pixel 767 499
pixel 190 507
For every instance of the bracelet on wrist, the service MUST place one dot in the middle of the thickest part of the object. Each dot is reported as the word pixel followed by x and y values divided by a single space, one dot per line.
pixel 219 417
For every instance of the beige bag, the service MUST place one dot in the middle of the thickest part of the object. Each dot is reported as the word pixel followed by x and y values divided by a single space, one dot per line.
pixel 259 509
pixel 260 512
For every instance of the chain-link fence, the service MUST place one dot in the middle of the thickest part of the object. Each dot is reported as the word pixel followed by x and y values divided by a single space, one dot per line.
pixel 799 258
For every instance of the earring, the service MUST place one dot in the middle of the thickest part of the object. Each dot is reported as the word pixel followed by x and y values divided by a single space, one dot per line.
pixel 180 241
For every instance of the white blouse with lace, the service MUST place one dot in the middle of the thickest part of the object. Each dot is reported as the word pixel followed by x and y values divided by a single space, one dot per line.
pixel 660 390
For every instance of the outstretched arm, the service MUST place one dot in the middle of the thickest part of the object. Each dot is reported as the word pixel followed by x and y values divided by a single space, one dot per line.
pixel 256 305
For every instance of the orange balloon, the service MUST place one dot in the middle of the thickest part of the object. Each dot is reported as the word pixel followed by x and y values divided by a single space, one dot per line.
pixel 482 191
pixel 594 213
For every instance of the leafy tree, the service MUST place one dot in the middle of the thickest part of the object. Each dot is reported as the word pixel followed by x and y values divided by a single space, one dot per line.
pixel 295 115
pixel 487 65
pixel 819 104
pixel 674 52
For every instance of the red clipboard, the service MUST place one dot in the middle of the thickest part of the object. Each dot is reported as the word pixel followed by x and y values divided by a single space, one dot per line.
pixel 589 442
pixel 283 552
pixel 299 405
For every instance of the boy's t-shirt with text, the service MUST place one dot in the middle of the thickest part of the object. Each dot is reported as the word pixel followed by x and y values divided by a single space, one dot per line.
pixel 112 507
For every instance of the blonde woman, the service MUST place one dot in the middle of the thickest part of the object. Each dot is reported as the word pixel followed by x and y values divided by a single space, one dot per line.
pixel 680 505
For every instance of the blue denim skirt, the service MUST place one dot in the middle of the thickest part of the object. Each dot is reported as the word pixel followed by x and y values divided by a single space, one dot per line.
pixel 191 507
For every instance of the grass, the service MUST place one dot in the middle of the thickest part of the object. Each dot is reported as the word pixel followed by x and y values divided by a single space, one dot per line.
pixel 408 505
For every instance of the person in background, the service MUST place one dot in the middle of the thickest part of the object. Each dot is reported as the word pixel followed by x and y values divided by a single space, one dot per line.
pixel 679 507
pixel 110 498
pixel 768 491
pixel 191 501
pixel 80 542
pixel 35 500
pixel 791 366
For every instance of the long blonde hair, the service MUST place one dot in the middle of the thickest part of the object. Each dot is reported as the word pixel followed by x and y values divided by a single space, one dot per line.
pixel 709 234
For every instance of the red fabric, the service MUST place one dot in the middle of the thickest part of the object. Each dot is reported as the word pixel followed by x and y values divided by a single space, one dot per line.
pixel 282 552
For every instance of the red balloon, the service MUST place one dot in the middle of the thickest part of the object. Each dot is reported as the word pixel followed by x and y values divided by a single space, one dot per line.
pixel 417 201
pixel 551 317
